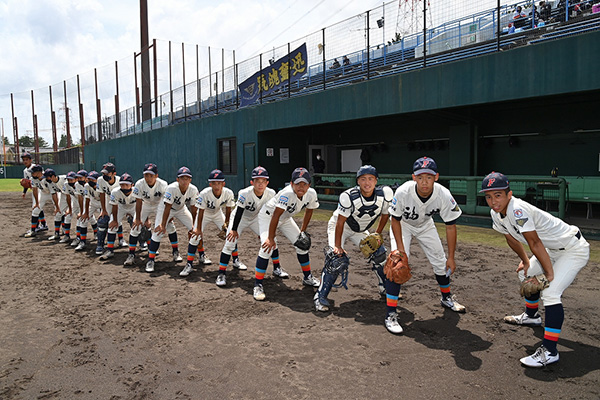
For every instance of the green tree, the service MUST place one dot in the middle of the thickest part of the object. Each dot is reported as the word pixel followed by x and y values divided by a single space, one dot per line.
pixel 6 142
pixel 63 141
pixel 26 141
pixel 42 142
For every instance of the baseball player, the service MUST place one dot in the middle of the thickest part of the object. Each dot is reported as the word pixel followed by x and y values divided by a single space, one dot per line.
pixel 28 163
pixel 245 215
pixel 79 199
pixel 44 195
pixel 210 202
pixel 358 209
pixel 277 213
pixel 74 210
pixel 122 204
pixel 412 209
pixel 148 193
pixel 57 185
pixel 91 204
pixel 559 253
pixel 178 196
pixel 109 181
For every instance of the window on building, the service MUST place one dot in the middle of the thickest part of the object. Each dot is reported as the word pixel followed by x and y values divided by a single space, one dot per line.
pixel 228 156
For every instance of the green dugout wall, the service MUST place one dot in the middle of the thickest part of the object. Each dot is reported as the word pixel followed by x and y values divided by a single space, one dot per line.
pixel 521 111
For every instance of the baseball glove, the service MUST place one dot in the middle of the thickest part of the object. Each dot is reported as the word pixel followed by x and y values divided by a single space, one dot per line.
pixel 370 243
pixel 396 267
pixel 223 232
pixel 26 183
pixel 144 235
pixel 534 285
pixel 303 241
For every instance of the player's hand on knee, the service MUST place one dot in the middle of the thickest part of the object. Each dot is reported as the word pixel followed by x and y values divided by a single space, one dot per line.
pixel 56 210
pixel 113 225
pixel 269 245
pixel 232 235
pixel 136 223
pixel 523 267
pixel 160 229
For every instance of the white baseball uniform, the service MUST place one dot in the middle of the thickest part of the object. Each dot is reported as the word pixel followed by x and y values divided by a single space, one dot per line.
pixel 151 197
pixel 93 194
pixel 27 175
pixel 106 188
pixel 125 206
pixel 567 248
pixel 179 208
pixel 416 214
pixel 213 205
pixel 287 200
pixel 45 195
pixel 59 189
pixel 361 213
pixel 72 192
pixel 251 205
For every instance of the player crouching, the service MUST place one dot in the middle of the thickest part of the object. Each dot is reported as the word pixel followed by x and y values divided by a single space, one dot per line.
pixel 122 204
pixel 559 253
pixel 277 213
pixel 358 209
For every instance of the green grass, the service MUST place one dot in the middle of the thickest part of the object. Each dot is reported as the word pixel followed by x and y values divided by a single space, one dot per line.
pixel 468 234
pixel 10 185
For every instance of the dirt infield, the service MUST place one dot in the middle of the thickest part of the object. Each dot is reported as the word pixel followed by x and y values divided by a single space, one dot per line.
pixel 74 327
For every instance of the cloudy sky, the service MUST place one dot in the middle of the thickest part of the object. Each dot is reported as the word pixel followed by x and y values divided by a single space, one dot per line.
pixel 47 41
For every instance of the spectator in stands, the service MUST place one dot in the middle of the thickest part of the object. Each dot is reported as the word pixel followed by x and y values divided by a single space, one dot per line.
pixel 545 10
pixel 318 164
pixel 511 28
pixel 346 61
pixel 519 13
pixel 535 13
pixel 336 64
pixel 519 18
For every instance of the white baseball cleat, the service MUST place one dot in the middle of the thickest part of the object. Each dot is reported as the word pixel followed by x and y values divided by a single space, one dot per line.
pixel 150 266
pixel 311 281
pixel 239 265
pixel 279 272
pixel 320 305
pixel 54 237
pixel 391 323
pixel 80 246
pixel 540 358
pixel 130 259
pixel 204 260
pixel 29 234
pixel 75 241
pixel 451 303
pixel 524 319
pixel 186 270
pixel 259 292
pixel 221 280
pixel 176 256
pixel 107 254
pixel 65 239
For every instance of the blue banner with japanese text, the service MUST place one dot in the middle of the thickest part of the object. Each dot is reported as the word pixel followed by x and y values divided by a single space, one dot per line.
pixel 287 70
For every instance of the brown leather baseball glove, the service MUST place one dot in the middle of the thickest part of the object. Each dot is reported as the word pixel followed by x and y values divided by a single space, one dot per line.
pixel 396 267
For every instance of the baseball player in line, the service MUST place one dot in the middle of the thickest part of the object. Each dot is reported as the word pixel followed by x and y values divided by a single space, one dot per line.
pixel 210 202
pixel 28 163
pixel 79 198
pixel 69 190
pixel 178 196
pixel 559 252
pixel 249 203
pixel 44 195
pixel 412 209
pixel 358 209
pixel 106 185
pixel 57 185
pixel 91 205
pixel 277 213
pixel 122 204
pixel 148 193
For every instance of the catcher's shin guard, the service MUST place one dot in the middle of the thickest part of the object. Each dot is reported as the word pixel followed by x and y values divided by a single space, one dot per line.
pixel 327 281
pixel 101 237
pixel 378 269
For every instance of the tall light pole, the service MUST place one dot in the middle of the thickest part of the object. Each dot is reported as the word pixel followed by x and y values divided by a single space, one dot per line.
pixel 145 54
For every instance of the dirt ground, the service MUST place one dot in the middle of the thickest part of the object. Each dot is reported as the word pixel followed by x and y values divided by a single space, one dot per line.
pixel 74 327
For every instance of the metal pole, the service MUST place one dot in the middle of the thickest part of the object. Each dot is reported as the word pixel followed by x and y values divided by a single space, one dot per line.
pixel 3 148
pixel 15 129
pixel 136 90
pixel 36 143
pixel 217 91
pixel 289 77
pixel 235 83
pixel 210 87
pixel 223 70
pixel 260 81
pixel 368 46
pixel 170 82
pixel 67 116
pixel 145 54
pixel 184 94
pixel 383 35
pixel 117 116
pixel 155 78
pixel 198 98
pixel 498 26
pixel 81 119
pixel 424 34
pixel 324 50
pixel 98 108
pixel 53 121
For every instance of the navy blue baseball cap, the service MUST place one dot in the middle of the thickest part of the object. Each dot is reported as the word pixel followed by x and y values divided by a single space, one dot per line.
pixel 71 175
pixel 300 175
pixel 150 169
pixel 94 175
pixel 184 171
pixel 216 175
pixel 260 172
pixel 49 172
pixel 425 165
pixel 36 168
pixel 126 179
pixel 367 170
pixel 108 168
pixel 494 181
pixel 26 154
pixel 82 173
